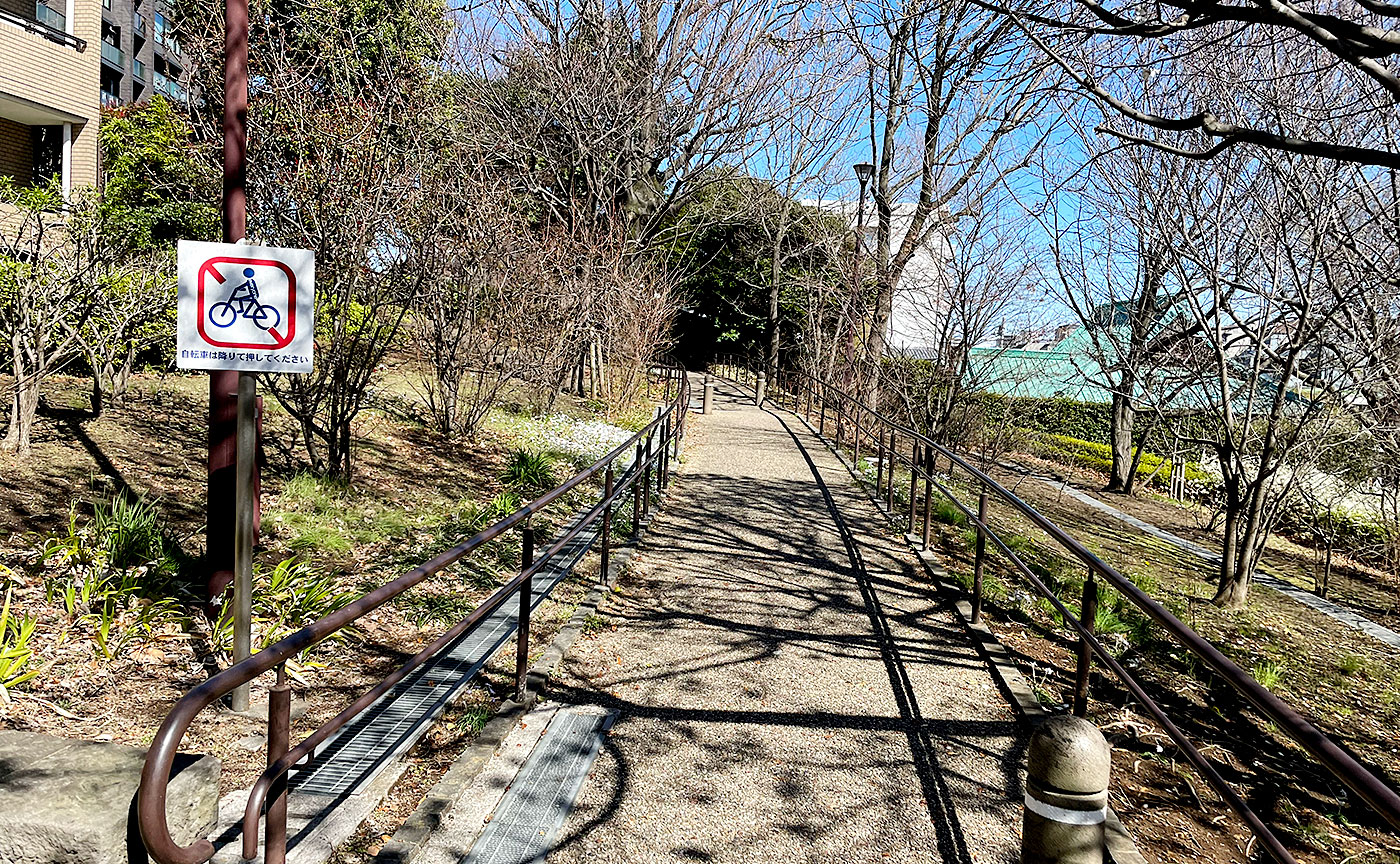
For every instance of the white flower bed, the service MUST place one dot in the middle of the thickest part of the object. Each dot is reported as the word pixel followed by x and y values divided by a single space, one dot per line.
pixel 585 441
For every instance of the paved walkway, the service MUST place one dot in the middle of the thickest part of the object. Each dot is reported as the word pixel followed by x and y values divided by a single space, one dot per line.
pixel 1338 612
pixel 785 689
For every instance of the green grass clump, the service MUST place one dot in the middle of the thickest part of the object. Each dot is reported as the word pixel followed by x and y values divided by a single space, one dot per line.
pixel 1351 664
pixel 529 472
pixel 318 515
pixel 1269 673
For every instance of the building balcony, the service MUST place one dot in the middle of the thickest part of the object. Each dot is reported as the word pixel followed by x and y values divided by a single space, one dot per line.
pixel 138 69
pixel 46 22
pixel 168 87
pixel 50 17
pixel 113 55
pixel 138 25
pixel 111 100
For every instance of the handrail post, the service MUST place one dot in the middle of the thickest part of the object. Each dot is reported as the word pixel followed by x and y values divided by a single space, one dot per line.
pixel 929 456
pixel 1088 611
pixel 821 424
pixel 662 467
pixel 522 630
pixel 636 493
pixel 880 464
pixel 856 437
pixel 279 735
pixel 605 553
pixel 646 485
pixel 889 479
pixel 980 561
pixel 914 455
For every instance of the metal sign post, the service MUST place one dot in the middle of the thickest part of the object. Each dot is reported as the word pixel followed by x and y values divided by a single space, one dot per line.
pixel 223 383
pixel 243 531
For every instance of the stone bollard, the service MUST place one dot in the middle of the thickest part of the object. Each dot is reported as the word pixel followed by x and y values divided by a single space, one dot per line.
pixel 1067 769
pixel 708 402
pixel 759 388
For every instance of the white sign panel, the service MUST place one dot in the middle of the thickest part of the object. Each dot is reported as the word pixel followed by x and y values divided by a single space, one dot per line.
pixel 245 308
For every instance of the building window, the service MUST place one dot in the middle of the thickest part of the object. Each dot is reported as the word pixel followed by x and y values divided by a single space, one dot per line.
pixel 47 143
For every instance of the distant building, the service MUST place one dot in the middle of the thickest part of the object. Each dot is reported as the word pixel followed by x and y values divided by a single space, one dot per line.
pixel 140 54
pixel 50 72
pixel 919 297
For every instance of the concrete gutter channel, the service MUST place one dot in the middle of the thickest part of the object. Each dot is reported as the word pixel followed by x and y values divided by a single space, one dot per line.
pixel 1336 611
pixel 411 840
pixel 1117 841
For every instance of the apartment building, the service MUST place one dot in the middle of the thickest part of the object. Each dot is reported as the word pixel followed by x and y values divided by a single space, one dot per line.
pixel 50 73
pixel 140 55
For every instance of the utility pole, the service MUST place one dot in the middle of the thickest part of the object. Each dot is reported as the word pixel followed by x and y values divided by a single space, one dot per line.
pixel 224 385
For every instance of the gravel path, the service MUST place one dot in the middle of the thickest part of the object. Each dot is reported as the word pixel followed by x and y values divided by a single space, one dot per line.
pixel 786 690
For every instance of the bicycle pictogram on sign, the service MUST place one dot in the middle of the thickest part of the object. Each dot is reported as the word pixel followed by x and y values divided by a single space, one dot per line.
pixel 245 302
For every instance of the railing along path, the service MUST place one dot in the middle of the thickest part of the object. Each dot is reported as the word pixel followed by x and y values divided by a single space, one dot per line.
pixel 855 424
pixel 654 450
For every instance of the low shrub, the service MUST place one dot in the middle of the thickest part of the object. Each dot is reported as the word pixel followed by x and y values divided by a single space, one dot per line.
pixel 1099 457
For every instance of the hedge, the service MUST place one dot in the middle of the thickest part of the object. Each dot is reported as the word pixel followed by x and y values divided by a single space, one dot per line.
pixel 1099 457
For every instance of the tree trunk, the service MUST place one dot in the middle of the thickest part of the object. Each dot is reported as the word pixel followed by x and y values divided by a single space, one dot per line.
pixel 875 345
pixel 1232 590
pixel 1120 435
pixel 24 407
pixel 98 399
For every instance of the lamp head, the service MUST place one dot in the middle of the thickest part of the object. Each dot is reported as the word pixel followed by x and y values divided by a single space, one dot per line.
pixel 863 171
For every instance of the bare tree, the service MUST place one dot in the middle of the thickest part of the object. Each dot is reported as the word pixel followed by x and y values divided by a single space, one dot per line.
pixel 467 316
pixel 621 111
pixel 345 158
pixel 1285 75
pixel 982 274
pixel 1277 361
pixel 51 263
pixel 1115 226
pixel 947 85
pixel 132 311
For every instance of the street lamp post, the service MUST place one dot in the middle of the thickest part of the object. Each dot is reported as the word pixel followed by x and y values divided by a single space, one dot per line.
pixel 863 170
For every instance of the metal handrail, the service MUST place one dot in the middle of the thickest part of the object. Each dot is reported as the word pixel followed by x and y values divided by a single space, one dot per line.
pixel 850 411
pixel 666 432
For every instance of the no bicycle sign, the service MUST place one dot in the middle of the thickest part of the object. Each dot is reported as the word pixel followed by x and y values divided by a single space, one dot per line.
pixel 245 308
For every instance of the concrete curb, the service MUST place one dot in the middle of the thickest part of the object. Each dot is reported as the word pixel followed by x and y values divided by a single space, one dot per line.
pixel 1119 843
pixel 409 842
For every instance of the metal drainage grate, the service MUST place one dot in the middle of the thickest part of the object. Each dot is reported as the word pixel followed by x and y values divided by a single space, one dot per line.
pixel 395 722
pixel 534 808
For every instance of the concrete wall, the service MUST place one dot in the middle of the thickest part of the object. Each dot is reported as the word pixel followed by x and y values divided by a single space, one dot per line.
pixel 46 74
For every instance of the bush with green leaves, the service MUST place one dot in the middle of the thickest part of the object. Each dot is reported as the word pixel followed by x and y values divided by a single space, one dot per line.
pixel 286 598
pixel 1094 456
